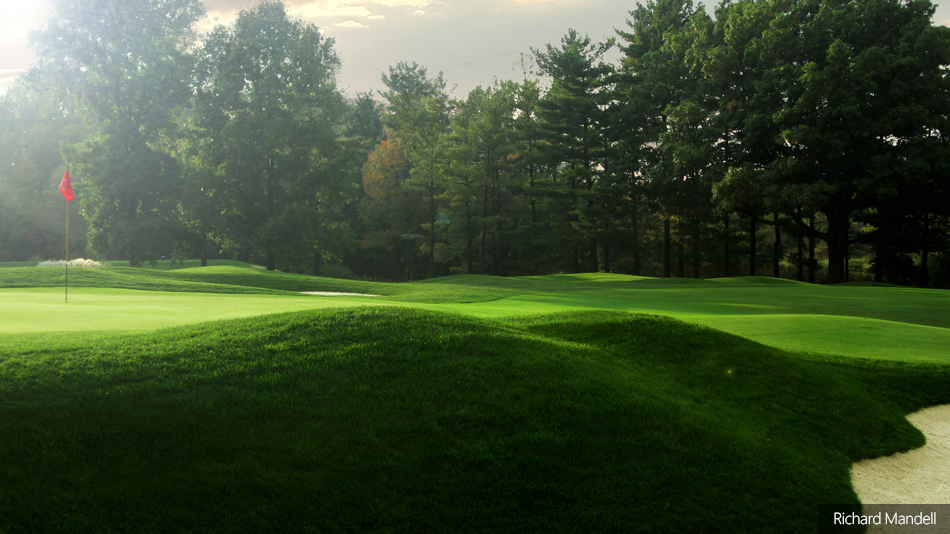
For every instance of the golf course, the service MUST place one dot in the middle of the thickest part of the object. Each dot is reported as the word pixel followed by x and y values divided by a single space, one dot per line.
pixel 229 399
pixel 225 399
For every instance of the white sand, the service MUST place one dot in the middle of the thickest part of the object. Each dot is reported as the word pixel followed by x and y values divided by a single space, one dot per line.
pixel 920 476
pixel 332 294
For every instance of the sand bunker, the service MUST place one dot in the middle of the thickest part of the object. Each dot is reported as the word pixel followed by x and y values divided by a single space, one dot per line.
pixel 920 476
pixel 334 294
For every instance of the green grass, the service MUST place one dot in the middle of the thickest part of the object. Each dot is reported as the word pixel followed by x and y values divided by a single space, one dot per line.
pixel 467 403
pixel 400 420
pixel 114 278
pixel 851 320
pixel 161 264
pixel 42 314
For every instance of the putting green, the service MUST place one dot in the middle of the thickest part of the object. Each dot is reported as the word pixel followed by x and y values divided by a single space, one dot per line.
pixel 879 323
pixel 24 311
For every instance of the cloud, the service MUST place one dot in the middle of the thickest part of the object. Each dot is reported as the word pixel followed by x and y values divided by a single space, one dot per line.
pixel 375 17
pixel 323 9
pixel 418 4
pixel 12 73
pixel 332 8
pixel 351 24
pixel 226 5
pixel 419 12
pixel 562 3
pixel 352 9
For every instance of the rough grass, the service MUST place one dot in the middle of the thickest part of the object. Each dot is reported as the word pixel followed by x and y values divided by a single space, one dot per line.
pixel 400 420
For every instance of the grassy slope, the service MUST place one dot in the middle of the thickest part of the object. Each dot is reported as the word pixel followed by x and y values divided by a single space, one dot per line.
pixel 857 321
pixel 161 264
pixel 399 420
pixel 119 278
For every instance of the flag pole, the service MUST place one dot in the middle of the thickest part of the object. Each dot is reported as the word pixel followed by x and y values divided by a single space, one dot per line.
pixel 67 247
pixel 66 188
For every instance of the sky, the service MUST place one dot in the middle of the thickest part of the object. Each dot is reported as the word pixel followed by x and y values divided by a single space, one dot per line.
pixel 472 42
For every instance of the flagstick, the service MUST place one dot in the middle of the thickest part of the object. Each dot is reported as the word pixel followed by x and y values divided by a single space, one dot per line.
pixel 66 188
pixel 67 251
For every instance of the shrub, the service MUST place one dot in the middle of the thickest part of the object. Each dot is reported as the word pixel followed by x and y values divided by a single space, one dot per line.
pixel 78 262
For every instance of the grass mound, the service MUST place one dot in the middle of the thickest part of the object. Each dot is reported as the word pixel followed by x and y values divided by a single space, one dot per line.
pixel 277 281
pixel 758 280
pixel 239 279
pixel 396 420
pixel 120 278
pixel 863 322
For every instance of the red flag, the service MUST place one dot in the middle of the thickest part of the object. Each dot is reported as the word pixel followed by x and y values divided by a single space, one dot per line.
pixel 66 186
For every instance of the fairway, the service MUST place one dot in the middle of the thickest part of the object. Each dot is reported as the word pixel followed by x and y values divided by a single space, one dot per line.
pixel 527 404
pixel 877 322
pixel 842 330
pixel 274 322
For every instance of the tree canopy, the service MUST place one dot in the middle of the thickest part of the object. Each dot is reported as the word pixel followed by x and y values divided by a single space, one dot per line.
pixel 818 126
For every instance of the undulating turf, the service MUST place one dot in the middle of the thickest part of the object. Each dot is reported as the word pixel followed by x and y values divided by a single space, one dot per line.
pixel 457 404
pixel 161 264
pixel 119 311
pixel 859 321
pixel 389 419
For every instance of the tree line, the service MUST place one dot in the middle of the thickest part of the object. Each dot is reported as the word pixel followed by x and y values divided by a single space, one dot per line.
pixel 803 139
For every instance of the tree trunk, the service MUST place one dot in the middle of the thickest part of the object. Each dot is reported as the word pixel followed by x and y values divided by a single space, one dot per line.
pixel 879 256
pixel 924 280
pixel 497 267
pixel 752 230
pixel 667 259
pixel 594 267
pixel 494 255
pixel 801 259
pixel 606 247
pixel 534 215
pixel 696 236
pixel 777 250
pixel 482 254
pixel 811 251
pixel 726 260
pixel 132 210
pixel 837 246
pixel 269 253
pixel 468 234
pixel 847 264
pixel 680 259
pixel 431 227
pixel 502 252
pixel 636 243
pixel 204 252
